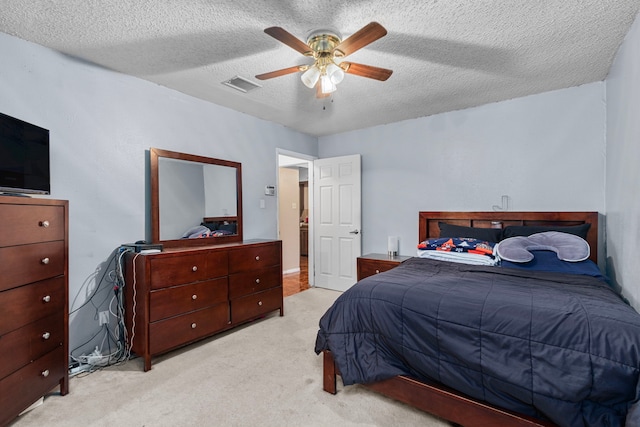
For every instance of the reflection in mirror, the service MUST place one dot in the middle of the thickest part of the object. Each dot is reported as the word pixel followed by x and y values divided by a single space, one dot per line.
pixel 195 200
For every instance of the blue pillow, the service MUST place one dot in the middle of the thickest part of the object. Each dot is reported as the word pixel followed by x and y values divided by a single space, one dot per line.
pixel 548 261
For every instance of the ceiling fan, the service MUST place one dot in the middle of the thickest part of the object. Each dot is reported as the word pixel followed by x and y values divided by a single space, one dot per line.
pixel 327 48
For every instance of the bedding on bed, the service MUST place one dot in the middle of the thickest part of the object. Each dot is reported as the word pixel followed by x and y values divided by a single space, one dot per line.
pixel 202 231
pixel 458 249
pixel 559 346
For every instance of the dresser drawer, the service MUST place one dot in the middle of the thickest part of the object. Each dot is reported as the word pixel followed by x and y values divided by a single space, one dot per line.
pixel 253 281
pixel 254 305
pixel 177 331
pixel 177 300
pixel 188 268
pixel 23 387
pixel 369 267
pixel 21 346
pixel 30 263
pixel 28 303
pixel 25 224
pixel 252 257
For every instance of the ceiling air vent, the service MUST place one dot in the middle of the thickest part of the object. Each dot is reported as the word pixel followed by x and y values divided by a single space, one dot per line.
pixel 241 84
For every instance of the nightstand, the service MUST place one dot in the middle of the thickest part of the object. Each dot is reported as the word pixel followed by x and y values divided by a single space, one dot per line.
pixel 371 264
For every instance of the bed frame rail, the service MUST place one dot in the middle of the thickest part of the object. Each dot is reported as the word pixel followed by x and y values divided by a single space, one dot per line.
pixel 437 400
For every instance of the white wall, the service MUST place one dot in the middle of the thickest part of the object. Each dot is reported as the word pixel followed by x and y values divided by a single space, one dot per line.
pixel 623 167
pixel 546 152
pixel 101 124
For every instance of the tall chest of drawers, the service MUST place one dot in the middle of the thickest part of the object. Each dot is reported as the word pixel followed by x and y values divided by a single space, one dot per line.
pixel 33 301
pixel 180 296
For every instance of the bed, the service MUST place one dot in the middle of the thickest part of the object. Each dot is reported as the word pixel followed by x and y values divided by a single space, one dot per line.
pixel 408 333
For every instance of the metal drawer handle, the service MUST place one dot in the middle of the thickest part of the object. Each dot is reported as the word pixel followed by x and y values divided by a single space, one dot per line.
pixel 259 302
pixel 46 336
pixel 45 373
pixel 194 296
pixel 45 261
pixel 46 298
pixel 377 271
pixel 193 325
pixel 257 257
pixel 44 223
pixel 194 268
pixel 257 280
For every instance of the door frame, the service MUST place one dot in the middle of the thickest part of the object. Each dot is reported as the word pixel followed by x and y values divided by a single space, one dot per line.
pixel 309 159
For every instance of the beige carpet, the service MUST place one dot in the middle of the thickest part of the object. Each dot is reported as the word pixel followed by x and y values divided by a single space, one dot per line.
pixel 265 373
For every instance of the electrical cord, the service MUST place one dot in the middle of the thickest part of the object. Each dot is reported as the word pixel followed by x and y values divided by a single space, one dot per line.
pixel 113 348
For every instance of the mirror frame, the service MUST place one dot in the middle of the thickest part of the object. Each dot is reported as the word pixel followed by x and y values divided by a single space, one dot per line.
pixel 154 156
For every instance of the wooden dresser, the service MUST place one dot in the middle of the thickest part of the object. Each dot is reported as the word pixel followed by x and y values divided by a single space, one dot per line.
pixel 180 296
pixel 33 301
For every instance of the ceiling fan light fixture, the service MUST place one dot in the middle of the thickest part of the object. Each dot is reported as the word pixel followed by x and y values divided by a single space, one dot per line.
pixel 335 73
pixel 326 85
pixel 310 77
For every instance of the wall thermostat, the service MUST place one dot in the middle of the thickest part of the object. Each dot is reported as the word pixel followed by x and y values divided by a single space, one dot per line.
pixel 270 190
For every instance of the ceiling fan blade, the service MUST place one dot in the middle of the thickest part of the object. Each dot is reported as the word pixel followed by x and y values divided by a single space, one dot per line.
pixel 279 73
pixel 364 36
pixel 289 39
pixel 368 71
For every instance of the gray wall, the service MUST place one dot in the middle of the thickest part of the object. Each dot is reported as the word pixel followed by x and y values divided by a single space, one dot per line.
pixel 102 124
pixel 623 167
pixel 546 152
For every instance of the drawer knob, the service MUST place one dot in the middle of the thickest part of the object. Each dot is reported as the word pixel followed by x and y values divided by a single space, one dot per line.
pixel 45 261
pixel 45 373
pixel 194 268
pixel 44 223
pixel 46 298
pixel 257 257
pixel 193 325
pixel 257 280
pixel 259 302
pixel 46 336
pixel 194 296
pixel 377 271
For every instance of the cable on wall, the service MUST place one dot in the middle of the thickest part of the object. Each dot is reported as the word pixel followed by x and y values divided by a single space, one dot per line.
pixel 112 348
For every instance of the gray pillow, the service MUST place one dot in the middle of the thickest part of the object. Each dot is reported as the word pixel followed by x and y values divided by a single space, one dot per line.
pixel 568 247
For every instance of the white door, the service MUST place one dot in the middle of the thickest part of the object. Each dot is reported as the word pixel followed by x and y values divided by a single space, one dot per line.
pixel 337 221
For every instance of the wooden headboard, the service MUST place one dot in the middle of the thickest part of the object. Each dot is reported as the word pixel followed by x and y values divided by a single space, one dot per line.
pixel 428 222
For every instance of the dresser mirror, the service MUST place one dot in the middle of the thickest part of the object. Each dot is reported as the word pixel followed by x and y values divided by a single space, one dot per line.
pixel 195 200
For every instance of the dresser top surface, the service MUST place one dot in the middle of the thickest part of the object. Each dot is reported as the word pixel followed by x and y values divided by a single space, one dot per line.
pixel 216 246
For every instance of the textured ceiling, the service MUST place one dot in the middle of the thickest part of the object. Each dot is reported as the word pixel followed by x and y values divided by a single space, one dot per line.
pixel 445 54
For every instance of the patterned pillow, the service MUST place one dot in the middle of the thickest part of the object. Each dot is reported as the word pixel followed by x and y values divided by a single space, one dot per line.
pixel 463 250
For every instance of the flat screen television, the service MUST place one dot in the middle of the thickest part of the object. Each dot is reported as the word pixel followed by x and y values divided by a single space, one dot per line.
pixel 24 157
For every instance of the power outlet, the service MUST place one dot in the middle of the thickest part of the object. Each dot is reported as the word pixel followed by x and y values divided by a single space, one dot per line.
pixel 103 317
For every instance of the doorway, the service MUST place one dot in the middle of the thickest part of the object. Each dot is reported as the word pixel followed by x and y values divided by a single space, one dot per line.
pixel 295 229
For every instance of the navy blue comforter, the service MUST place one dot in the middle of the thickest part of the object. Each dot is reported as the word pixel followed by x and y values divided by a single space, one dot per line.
pixel 556 346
